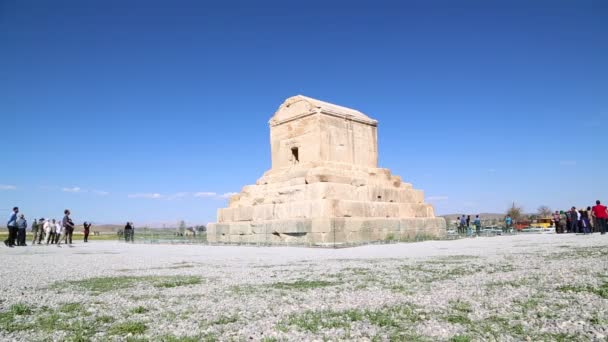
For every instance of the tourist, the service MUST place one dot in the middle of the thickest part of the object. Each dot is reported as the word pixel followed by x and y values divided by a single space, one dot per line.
pixel 40 235
pixel 68 228
pixel 563 221
pixel 600 212
pixel 568 220
pixel 34 230
pixel 508 223
pixel 87 229
pixel 128 232
pixel 11 225
pixel 573 220
pixel 585 227
pixel 556 221
pixel 463 223
pixel 592 221
pixel 21 227
pixel 50 230
pixel 477 224
pixel 59 232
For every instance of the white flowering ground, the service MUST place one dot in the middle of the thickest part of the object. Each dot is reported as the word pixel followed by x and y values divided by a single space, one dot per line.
pixel 513 288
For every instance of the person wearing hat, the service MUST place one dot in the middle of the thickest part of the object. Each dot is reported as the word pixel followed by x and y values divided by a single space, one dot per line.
pixel 21 227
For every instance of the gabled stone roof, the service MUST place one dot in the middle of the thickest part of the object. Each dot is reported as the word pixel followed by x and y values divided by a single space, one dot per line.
pixel 300 106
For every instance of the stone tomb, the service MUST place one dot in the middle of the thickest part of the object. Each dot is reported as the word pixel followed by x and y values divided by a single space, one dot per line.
pixel 324 186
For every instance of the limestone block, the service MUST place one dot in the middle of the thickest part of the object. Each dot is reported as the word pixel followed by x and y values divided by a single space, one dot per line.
pixel 324 185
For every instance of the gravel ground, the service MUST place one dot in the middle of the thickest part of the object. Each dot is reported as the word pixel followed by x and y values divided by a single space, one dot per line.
pixel 512 288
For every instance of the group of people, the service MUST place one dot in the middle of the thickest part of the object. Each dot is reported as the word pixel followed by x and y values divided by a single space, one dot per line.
pixel 464 225
pixel 49 231
pixel 591 220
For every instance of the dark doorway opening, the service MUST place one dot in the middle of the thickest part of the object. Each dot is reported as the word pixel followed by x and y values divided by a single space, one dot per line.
pixel 295 155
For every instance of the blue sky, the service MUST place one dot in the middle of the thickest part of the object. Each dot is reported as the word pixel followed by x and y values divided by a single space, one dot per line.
pixel 152 110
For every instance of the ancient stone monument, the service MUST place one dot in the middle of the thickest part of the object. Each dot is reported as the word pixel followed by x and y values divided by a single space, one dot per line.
pixel 324 185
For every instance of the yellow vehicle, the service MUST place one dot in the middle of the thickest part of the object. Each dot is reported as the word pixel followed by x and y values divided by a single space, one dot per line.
pixel 542 223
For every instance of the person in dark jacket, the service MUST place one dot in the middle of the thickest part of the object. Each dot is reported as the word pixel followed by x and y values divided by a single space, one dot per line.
pixel 21 227
pixel 68 228
pixel 87 230
pixel 573 220
pixel 128 232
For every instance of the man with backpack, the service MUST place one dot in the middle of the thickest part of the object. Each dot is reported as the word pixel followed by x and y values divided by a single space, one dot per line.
pixel 68 228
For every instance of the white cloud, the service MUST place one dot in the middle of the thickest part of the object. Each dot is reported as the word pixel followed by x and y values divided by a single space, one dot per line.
pixel 228 194
pixel 205 194
pixel 567 162
pixel 100 192
pixel 74 189
pixel 437 198
pixel 7 187
pixel 177 195
pixel 148 195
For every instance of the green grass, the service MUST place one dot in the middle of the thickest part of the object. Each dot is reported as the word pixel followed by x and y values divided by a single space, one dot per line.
pixel 392 318
pixel 460 338
pixel 458 318
pixel 207 337
pixel 135 328
pixel 303 284
pixel 461 306
pixel 225 320
pixel 72 308
pixel 20 309
pixel 11 321
pixel 107 284
pixel 139 310
pixel 601 291
pixel 104 319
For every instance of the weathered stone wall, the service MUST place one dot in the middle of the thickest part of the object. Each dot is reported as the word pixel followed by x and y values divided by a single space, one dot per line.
pixel 328 191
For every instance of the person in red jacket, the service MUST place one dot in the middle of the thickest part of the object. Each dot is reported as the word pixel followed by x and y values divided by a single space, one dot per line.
pixel 600 212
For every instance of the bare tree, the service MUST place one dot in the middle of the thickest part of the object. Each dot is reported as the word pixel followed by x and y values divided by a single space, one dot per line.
pixel 516 212
pixel 181 227
pixel 543 211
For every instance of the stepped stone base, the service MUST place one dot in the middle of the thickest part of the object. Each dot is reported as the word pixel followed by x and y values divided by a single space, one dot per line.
pixel 344 230
pixel 324 186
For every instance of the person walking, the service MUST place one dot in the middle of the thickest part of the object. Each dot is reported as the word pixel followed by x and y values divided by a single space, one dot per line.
pixel 34 230
pixel 573 220
pixel 68 227
pixel 563 221
pixel 59 231
pixel 585 227
pixel 600 212
pixel 477 224
pixel 49 231
pixel 556 219
pixel 463 223
pixel 11 225
pixel 469 231
pixel 592 221
pixel 508 223
pixel 40 236
pixel 21 227
pixel 128 232
pixel 87 229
